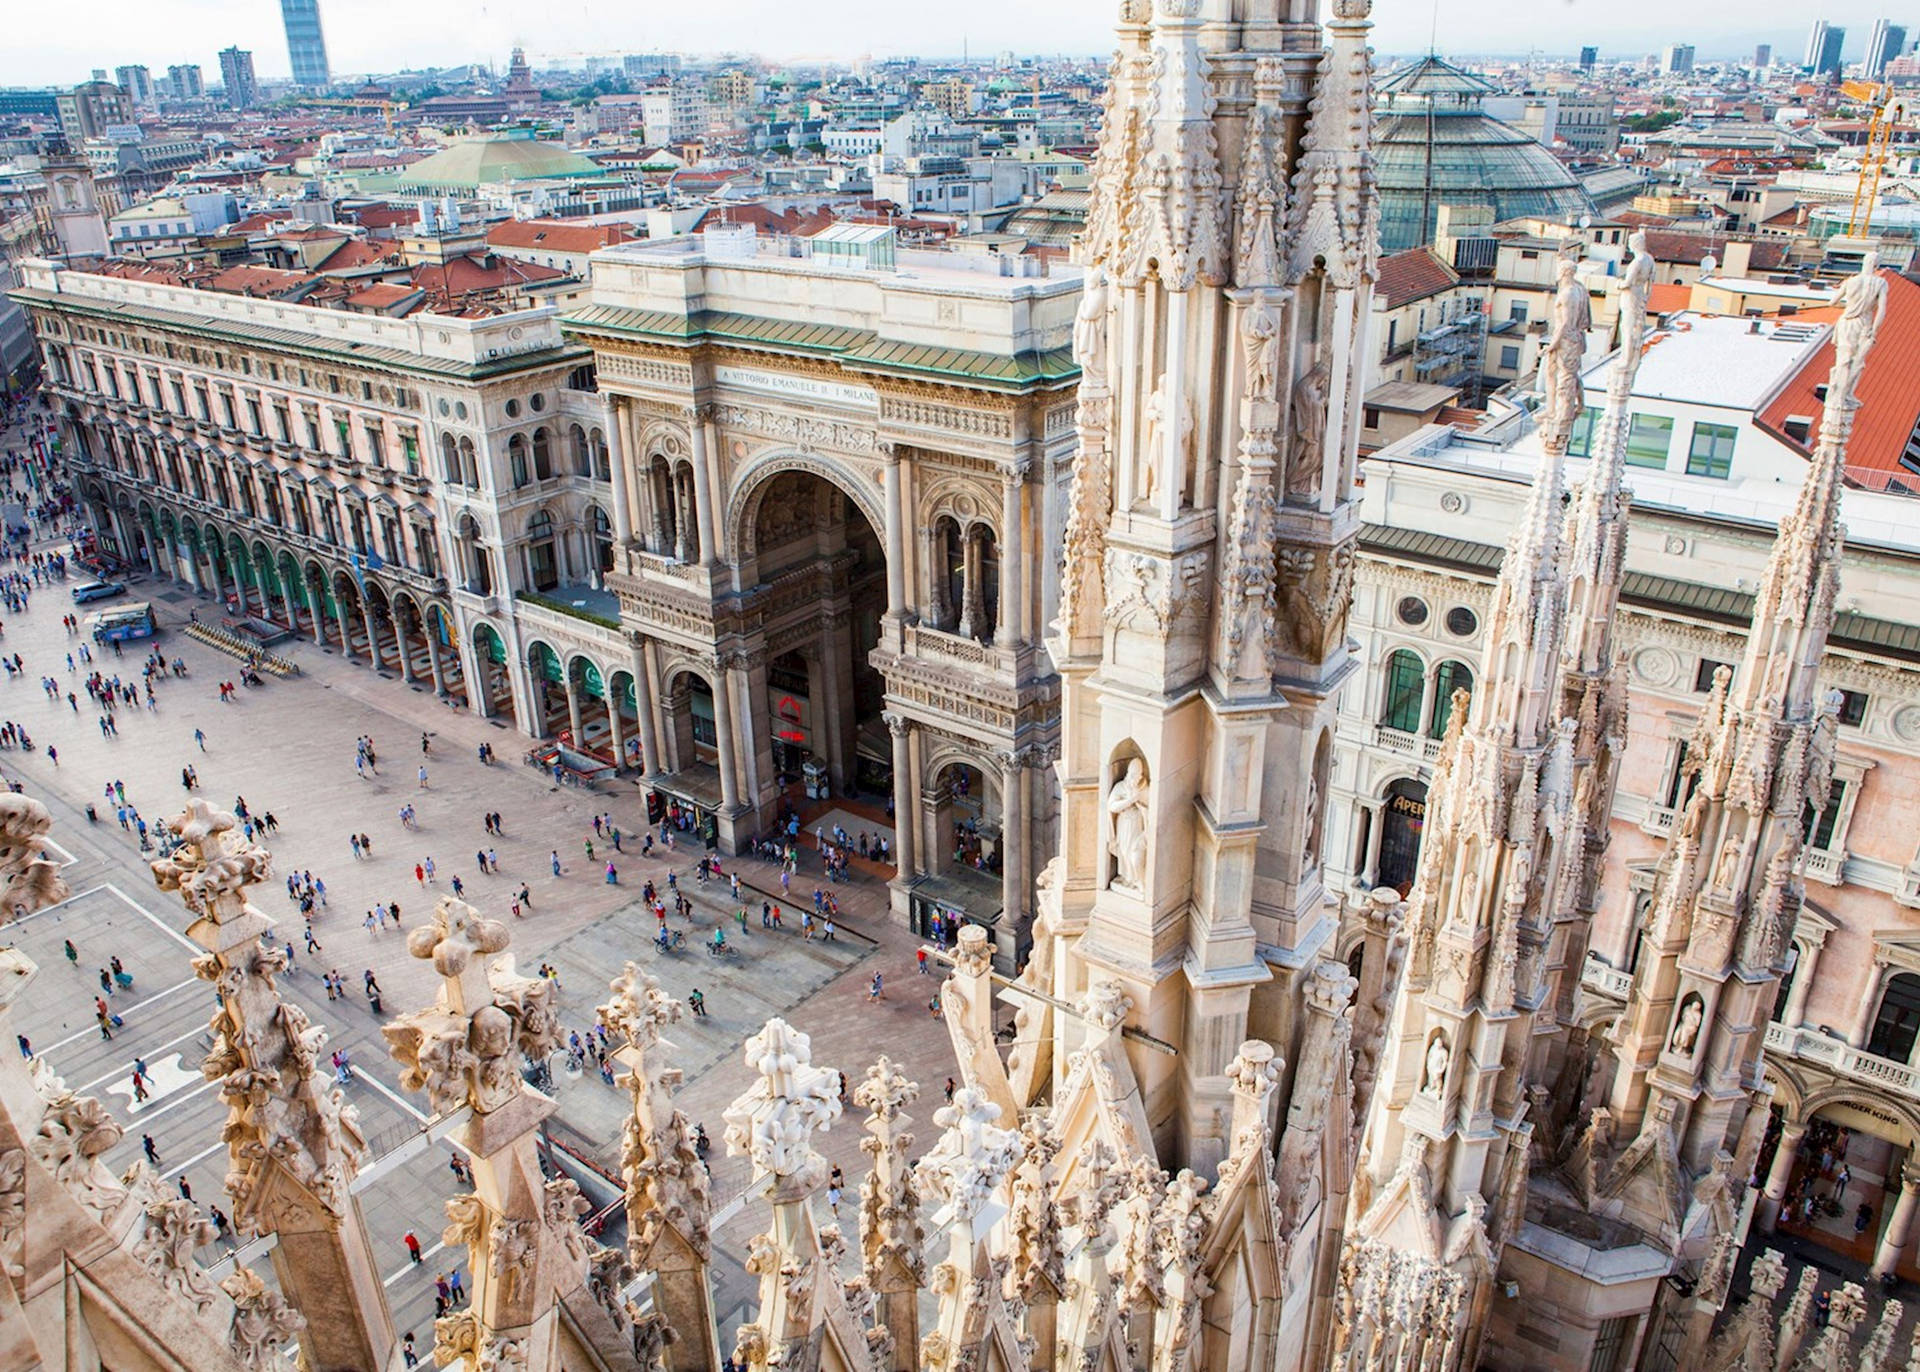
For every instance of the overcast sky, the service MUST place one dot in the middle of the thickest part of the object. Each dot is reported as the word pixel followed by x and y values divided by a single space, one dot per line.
pixel 61 43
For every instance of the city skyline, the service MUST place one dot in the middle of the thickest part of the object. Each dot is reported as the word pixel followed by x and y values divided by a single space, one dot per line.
pixel 363 37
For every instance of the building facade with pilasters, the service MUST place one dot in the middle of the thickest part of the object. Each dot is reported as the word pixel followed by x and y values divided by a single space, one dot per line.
pixel 838 490
pixel 428 495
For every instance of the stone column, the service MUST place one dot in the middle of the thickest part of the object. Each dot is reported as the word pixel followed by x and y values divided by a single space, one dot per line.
pixel 435 668
pixel 938 610
pixel 373 634
pixel 903 807
pixel 400 643
pixel 896 534
pixel 314 606
pixel 1795 1013
pixel 1013 846
pixel 1013 544
pixel 1899 1230
pixel 617 469
pixel 1869 1007
pixel 724 738
pixel 702 488
pixel 573 707
pixel 1780 1175
pixel 615 735
pixel 970 613
pixel 643 707
pixel 683 523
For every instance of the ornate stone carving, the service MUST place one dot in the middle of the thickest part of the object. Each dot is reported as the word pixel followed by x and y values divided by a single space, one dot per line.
pixel 667 1183
pixel 172 1230
pixel 890 1232
pixel 263 1322
pixel 774 1121
pixel 1314 587
pixel 466 1049
pixel 29 880
pixel 1560 358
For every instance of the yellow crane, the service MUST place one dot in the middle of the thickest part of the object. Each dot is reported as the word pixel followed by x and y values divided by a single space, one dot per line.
pixel 1885 111
pixel 386 107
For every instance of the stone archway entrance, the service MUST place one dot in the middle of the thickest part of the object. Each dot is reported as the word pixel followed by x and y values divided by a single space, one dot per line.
pixel 815 699
pixel 1402 818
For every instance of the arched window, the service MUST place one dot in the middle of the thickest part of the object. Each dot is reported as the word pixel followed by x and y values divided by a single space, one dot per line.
pixel 517 460
pixel 542 569
pixel 1406 683
pixel 577 449
pixel 542 455
pixel 1403 818
pixel 1450 676
pixel 469 464
pixel 1898 1023
pixel 449 460
pixel 602 468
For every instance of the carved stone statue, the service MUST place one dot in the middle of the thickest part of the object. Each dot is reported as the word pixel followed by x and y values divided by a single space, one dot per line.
pixel 1090 329
pixel 1863 307
pixel 1260 336
pixel 1127 802
pixel 1153 462
pixel 1566 347
pixel 1439 1057
pixel 1307 452
pixel 1686 1029
pixel 1635 286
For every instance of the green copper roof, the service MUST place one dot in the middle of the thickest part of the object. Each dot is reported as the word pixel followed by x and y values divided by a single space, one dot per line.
pixel 489 161
pixel 853 349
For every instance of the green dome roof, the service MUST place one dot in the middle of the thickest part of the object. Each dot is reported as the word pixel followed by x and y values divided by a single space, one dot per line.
pixel 486 161
pixel 1434 145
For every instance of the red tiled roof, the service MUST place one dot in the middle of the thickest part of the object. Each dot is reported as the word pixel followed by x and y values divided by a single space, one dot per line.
pixel 467 275
pixel 353 254
pixel 384 216
pixel 1413 275
pixel 1889 402
pixel 1678 246
pixel 759 216
pixel 555 235
pixel 260 223
pixel 260 282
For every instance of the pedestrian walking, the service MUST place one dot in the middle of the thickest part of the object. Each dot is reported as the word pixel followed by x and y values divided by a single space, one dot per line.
pixel 26 1046
pixel 413 1244
pixel 453 1280
pixel 200 737
pixel 876 989
pixel 920 956
pixel 423 777
pixel 146 1146
pixel 553 860
pixel 139 1087
pixel 73 954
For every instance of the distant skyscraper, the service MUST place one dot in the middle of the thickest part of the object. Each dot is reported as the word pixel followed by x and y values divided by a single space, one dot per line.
pixel 306 44
pixel 185 81
pixel 236 74
pixel 1677 59
pixel 137 82
pixel 1823 49
pixel 1886 42
pixel 1588 56
pixel 1763 56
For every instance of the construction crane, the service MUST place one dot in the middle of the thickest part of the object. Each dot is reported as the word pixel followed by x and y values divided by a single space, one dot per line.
pixel 386 107
pixel 1885 111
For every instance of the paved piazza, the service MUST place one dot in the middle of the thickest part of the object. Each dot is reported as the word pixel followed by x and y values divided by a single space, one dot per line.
pixel 288 748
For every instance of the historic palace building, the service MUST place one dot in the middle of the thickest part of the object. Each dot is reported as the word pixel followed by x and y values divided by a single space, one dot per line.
pixel 405 491
pixel 843 469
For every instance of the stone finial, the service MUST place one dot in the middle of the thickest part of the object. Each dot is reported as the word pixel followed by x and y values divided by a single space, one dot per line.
pixel 973 953
pixel 773 1122
pixel 972 1157
pixel 1105 1006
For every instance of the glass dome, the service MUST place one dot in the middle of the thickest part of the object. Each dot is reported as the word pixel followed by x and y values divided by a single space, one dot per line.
pixel 1434 145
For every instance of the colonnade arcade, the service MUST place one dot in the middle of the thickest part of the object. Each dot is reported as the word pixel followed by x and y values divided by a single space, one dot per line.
pixel 392 628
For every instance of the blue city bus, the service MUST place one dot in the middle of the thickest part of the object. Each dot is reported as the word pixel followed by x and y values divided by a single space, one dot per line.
pixel 122 623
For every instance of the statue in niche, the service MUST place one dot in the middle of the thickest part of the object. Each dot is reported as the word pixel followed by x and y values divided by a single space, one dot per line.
pixel 1127 803
pixel 1090 328
pixel 1153 464
pixel 1307 452
pixel 1311 858
pixel 1723 872
pixel 1260 336
pixel 1439 1058
pixel 1686 1028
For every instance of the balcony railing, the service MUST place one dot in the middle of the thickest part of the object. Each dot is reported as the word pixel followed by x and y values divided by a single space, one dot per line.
pixel 1407 745
pixel 1659 820
pixel 1824 866
pixel 1610 982
pixel 1843 1059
